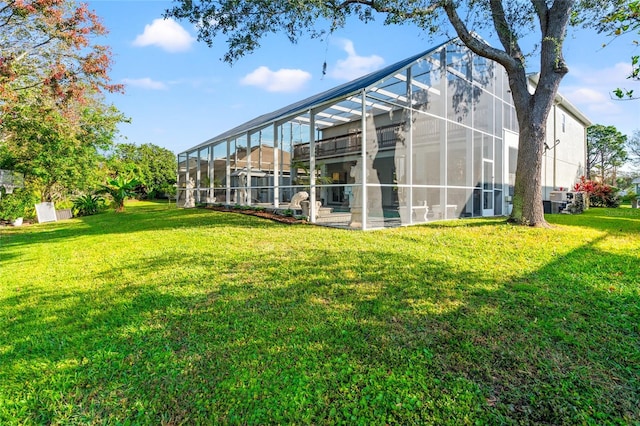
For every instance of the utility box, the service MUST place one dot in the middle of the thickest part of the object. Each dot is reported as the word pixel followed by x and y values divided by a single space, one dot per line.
pixel 559 200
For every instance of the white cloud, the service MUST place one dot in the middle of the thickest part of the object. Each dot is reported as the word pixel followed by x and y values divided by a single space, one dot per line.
pixel 283 80
pixel 145 83
pixel 591 91
pixel 166 34
pixel 354 66
pixel 588 96
pixel 605 77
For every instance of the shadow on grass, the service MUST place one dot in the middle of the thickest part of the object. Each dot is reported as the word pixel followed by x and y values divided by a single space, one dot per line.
pixel 334 335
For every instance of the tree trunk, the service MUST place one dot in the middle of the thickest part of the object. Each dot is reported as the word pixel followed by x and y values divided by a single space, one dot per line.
pixel 527 199
pixel 532 109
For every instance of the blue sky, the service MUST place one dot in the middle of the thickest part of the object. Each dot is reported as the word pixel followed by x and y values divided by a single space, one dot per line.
pixel 179 93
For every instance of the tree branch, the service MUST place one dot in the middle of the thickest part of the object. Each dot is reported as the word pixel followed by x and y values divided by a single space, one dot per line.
pixel 541 10
pixel 9 16
pixel 506 35
pixel 382 9
pixel 478 46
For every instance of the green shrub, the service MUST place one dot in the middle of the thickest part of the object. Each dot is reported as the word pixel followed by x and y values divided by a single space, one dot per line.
pixel 21 203
pixel 120 188
pixel 628 197
pixel 600 194
pixel 89 204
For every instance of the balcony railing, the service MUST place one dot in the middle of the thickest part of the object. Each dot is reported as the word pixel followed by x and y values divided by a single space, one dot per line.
pixel 387 137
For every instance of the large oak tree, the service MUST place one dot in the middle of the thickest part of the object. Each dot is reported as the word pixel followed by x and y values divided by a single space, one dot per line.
pixel 245 23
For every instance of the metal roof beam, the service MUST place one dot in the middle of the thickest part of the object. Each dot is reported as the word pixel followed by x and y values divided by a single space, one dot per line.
pixel 371 104
pixel 418 84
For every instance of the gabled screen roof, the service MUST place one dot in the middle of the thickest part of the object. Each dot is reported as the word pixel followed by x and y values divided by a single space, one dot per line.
pixel 333 94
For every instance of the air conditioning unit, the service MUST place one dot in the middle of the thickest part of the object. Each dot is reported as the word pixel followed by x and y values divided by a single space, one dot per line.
pixel 559 196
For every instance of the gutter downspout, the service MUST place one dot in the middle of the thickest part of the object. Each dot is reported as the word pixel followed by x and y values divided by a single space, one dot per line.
pixel 555 147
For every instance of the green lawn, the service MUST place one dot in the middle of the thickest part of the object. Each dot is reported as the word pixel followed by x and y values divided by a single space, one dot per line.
pixel 167 316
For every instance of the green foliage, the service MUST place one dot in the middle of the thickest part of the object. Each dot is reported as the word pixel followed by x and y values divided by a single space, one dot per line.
pixel 55 122
pixel 57 155
pixel 303 174
pixel 120 188
pixel 166 189
pixel 605 152
pixel 88 204
pixel 20 203
pixel 624 19
pixel 189 316
pixel 155 168
pixel 628 197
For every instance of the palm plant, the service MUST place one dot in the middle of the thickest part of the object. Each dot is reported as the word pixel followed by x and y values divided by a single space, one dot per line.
pixel 86 205
pixel 120 188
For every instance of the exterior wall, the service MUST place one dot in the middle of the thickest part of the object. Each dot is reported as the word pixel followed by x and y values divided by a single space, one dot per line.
pixel 564 161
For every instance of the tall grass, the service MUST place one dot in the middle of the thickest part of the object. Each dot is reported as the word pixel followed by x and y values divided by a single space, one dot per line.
pixel 167 316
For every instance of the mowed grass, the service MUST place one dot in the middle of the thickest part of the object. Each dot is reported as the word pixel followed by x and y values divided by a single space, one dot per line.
pixel 168 316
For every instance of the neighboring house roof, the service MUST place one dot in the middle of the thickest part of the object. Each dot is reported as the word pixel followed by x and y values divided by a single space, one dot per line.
pixel 636 180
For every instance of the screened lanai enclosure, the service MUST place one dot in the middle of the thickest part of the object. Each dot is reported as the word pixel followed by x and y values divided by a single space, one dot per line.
pixel 427 138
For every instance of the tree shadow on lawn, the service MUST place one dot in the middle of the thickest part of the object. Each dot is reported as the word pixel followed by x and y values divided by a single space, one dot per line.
pixel 330 337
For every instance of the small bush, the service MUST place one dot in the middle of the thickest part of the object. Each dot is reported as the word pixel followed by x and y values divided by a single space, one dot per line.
pixel 21 203
pixel 600 194
pixel 87 205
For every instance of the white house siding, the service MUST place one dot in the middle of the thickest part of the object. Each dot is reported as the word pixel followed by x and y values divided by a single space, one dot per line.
pixel 565 161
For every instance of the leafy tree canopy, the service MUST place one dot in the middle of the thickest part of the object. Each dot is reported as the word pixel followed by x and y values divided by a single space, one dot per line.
pixel 633 148
pixel 47 45
pixel 57 157
pixel 606 152
pixel 154 166
pixel 54 122
pixel 625 20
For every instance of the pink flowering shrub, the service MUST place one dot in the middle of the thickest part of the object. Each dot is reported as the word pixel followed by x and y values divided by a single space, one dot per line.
pixel 599 194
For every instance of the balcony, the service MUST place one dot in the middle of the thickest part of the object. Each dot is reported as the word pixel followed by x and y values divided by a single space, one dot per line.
pixel 387 137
